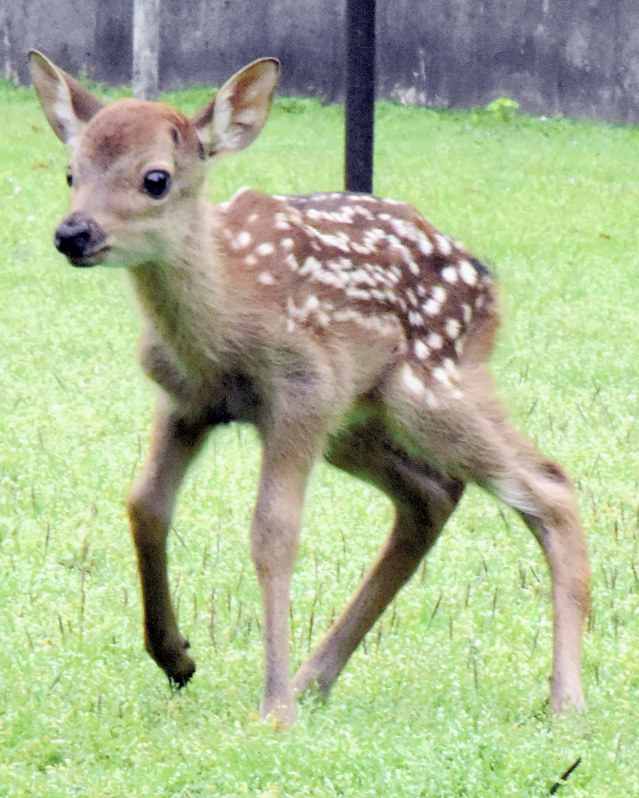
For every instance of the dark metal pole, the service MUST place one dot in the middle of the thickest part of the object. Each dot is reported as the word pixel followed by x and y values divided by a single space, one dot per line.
pixel 360 94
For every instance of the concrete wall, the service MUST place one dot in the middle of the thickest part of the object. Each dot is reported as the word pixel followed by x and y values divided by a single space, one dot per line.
pixel 576 57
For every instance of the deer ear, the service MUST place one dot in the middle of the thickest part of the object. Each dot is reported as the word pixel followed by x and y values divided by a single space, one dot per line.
pixel 236 116
pixel 67 105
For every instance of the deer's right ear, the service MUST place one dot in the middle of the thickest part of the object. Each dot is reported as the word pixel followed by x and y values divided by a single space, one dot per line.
pixel 67 105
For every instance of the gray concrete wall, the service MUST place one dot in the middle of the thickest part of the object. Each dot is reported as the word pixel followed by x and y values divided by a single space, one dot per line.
pixel 575 57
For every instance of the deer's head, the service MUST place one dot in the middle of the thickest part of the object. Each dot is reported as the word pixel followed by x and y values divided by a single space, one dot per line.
pixel 137 168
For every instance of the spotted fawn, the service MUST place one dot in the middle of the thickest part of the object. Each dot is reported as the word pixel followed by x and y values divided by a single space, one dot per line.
pixel 340 325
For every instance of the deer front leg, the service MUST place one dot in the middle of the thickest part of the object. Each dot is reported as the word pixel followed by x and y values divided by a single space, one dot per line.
pixel 275 534
pixel 174 442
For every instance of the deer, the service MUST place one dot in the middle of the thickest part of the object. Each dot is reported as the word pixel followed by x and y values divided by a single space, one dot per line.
pixel 341 326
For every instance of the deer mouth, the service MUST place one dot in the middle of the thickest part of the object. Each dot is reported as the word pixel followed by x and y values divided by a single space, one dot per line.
pixel 88 259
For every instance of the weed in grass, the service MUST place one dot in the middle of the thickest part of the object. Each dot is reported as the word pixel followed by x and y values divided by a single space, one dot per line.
pixel 447 696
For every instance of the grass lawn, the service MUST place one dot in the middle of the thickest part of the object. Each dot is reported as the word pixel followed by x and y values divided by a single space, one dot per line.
pixel 447 696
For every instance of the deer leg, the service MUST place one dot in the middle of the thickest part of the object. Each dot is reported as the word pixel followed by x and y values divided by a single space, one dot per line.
pixel 275 534
pixel 174 442
pixel 424 499
pixel 543 495
pixel 462 430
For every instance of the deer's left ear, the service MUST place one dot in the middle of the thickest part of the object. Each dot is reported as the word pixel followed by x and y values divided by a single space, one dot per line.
pixel 238 113
pixel 67 105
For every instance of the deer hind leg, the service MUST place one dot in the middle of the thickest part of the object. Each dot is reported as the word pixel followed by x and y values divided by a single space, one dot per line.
pixel 463 430
pixel 174 442
pixel 544 496
pixel 424 499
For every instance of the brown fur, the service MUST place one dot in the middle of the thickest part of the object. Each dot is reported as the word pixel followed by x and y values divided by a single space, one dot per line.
pixel 338 324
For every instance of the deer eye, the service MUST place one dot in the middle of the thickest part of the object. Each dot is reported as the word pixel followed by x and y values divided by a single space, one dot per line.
pixel 157 183
pixel 69 177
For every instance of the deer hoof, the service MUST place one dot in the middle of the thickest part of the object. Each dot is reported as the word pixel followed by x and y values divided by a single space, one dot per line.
pixel 280 714
pixel 171 656
pixel 182 672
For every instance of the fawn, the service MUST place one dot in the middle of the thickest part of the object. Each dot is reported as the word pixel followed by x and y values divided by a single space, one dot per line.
pixel 339 325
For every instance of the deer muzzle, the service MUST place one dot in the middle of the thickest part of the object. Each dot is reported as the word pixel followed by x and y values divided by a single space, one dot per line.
pixel 81 239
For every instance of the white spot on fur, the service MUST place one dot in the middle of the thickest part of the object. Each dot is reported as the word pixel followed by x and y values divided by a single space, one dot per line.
pixel 383 324
pixel 450 368
pixel 411 381
pixel 362 211
pixel 373 237
pixel 452 327
pixel 330 274
pixel 467 272
pixel 282 221
pixel 450 274
pixel 266 278
pixel 444 244
pixel 431 307
pixel 440 374
pixel 241 240
pixel 434 340
pixel 361 249
pixel 312 303
pixel 410 262
pixel 310 266
pixel 421 350
pixel 425 245
pixel 291 261
pixel 339 240
pixel 264 249
pixel 439 294
pixel 359 294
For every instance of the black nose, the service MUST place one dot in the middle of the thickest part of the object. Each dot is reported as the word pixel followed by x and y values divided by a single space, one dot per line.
pixel 78 236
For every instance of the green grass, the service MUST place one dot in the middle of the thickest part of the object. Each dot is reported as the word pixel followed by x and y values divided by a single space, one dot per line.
pixel 447 697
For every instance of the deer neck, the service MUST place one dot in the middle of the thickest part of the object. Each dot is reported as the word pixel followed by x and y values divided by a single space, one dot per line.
pixel 182 293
